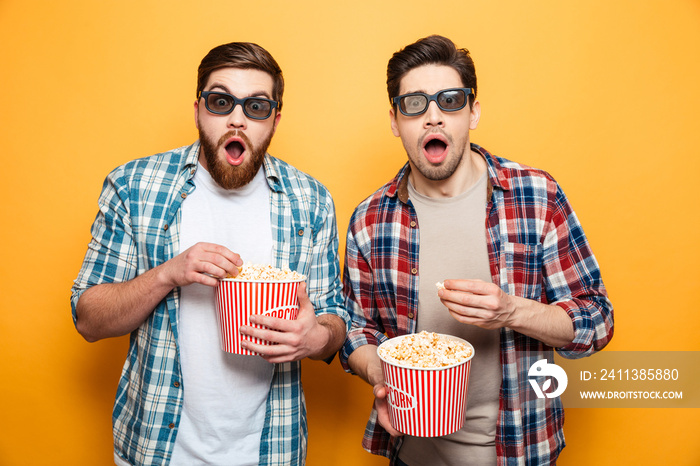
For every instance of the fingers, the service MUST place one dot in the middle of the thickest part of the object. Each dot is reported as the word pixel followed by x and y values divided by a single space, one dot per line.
pixel 285 331
pixel 467 318
pixel 379 391
pixel 472 286
pixel 287 339
pixel 272 352
pixel 302 294
pixel 487 311
pixel 468 309
pixel 381 404
pixel 203 263
pixel 217 260
pixel 474 294
pixel 272 329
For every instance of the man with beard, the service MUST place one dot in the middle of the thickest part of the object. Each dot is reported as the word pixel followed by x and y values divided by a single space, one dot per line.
pixel 520 279
pixel 169 227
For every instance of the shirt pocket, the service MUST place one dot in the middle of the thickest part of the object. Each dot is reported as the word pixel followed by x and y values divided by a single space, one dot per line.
pixel 300 255
pixel 521 270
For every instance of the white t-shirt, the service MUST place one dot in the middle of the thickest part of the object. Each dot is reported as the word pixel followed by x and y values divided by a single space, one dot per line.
pixel 224 394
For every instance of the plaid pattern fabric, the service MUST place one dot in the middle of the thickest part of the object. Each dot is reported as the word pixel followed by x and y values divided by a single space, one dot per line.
pixel 136 229
pixel 537 250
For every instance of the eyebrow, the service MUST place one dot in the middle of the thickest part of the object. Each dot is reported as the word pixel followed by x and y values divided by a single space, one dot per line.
pixel 252 94
pixel 417 91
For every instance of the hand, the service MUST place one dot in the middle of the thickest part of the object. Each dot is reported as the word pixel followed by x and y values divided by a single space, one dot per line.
pixel 478 303
pixel 291 340
pixel 365 362
pixel 203 263
pixel 382 406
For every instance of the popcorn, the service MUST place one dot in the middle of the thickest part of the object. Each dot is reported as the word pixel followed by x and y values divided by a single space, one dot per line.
pixel 440 285
pixel 425 350
pixel 266 273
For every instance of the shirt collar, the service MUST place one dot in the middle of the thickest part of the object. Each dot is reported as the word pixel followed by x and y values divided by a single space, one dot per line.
pixel 191 158
pixel 498 176
pixel 272 173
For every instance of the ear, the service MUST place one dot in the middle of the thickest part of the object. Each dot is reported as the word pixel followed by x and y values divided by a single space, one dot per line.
pixel 394 124
pixel 475 115
pixel 196 114
pixel 278 117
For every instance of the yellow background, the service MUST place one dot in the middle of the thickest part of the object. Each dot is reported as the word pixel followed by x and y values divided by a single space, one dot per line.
pixel 603 94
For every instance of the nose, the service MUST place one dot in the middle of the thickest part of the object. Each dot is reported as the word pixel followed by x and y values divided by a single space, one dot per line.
pixel 237 119
pixel 433 115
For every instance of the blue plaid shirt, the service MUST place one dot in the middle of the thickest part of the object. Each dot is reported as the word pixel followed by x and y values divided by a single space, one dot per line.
pixel 136 229
pixel 537 250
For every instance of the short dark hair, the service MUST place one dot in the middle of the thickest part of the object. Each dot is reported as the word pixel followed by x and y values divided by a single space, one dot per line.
pixel 431 50
pixel 242 55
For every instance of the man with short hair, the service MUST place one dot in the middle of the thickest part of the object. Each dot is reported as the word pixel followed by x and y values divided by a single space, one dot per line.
pixel 173 224
pixel 520 280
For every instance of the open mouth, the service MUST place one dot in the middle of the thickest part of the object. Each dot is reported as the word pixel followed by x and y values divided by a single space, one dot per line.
pixel 435 149
pixel 234 152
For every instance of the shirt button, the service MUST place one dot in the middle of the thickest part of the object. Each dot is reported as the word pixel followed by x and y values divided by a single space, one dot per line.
pixel 176 384
pixel 413 224
pixel 165 227
pixel 183 195
pixel 410 315
pixel 414 270
pixel 171 425
pixel 301 232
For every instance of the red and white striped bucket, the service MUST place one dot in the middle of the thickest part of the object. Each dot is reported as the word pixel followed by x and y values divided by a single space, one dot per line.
pixel 427 402
pixel 236 300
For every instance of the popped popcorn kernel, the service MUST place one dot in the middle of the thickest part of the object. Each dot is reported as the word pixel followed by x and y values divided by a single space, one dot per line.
pixel 425 350
pixel 266 273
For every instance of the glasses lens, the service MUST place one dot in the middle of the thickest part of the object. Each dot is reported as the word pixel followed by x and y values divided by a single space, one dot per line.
pixel 452 100
pixel 413 104
pixel 219 103
pixel 257 108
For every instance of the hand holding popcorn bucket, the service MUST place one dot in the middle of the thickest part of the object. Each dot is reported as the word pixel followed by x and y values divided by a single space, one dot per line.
pixel 260 290
pixel 426 377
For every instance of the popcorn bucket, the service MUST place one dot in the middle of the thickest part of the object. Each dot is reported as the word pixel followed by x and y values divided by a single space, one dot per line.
pixel 427 402
pixel 236 300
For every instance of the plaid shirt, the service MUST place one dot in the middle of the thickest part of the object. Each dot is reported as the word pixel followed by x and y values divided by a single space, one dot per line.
pixel 136 229
pixel 537 250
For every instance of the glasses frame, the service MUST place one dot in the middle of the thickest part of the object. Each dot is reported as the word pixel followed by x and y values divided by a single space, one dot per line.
pixel 236 101
pixel 433 98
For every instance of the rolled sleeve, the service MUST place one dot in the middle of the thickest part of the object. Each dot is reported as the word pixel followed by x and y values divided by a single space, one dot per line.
pixel 326 288
pixel 358 287
pixel 111 254
pixel 593 326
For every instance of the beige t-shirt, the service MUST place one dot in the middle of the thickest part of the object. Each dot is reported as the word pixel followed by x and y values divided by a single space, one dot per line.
pixel 453 245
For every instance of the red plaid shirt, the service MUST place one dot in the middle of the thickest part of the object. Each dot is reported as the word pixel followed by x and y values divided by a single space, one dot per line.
pixel 537 250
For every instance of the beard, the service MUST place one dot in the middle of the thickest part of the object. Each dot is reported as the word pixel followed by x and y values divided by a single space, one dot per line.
pixel 229 176
pixel 436 172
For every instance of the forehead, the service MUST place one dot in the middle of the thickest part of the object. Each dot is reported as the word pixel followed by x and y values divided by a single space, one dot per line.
pixel 240 82
pixel 430 79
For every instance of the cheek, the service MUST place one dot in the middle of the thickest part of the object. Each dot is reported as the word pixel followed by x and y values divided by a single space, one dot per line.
pixel 210 127
pixel 260 133
pixel 410 135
